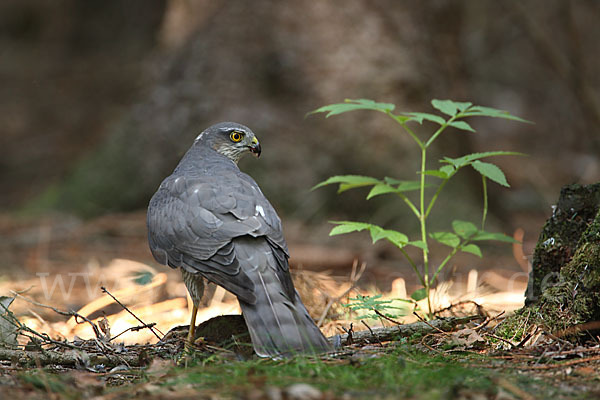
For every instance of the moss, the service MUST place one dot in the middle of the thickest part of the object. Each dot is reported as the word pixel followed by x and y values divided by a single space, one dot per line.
pixel 515 326
pixel 573 299
pixel 584 274
pixel 576 208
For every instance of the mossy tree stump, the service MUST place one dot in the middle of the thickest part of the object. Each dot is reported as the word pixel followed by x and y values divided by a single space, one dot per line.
pixel 576 209
pixel 564 285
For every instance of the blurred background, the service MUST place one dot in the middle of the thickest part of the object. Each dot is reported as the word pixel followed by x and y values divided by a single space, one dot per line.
pixel 100 99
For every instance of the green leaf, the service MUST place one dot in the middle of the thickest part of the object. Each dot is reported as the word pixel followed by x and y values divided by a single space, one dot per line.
pixel 464 229
pixel 468 158
pixel 461 125
pixel 448 170
pixel 448 107
pixel 407 186
pixel 419 294
pixel 385 307
pixel 347 227
pixel 347 186
pixel 381 188
pixel 401 118
pixel 419 117
pixel 436 173
pixel 480 111
pixel 404 186
pixel 353 105
pixel 501 237
pixel 473 249
pixel 348 181
pixel 447 238
pixel 394 237
pixel 392 181
pixel 367 302
pixel 418 243
pixel 462 106
pixel 490 171
pixel 377 232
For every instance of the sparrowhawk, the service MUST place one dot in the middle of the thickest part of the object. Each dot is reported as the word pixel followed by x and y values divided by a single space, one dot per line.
pixel 212 221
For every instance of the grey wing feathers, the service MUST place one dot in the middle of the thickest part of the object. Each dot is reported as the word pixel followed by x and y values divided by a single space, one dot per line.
pixel 193 219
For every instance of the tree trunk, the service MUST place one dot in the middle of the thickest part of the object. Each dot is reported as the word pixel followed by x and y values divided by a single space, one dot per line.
pixel 563 294
pixel 577 206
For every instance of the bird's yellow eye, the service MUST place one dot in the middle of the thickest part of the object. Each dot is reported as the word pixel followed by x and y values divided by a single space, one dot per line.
pixel 236 136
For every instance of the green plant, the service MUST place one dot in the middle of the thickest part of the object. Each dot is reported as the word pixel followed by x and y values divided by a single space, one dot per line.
pixel 464 233
pixel 380 308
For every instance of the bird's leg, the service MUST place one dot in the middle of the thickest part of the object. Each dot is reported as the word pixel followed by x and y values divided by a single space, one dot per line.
pixel 189 343
pixel 195 286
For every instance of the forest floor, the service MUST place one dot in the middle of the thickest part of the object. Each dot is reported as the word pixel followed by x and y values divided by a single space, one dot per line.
pixel 56 265
pixel 451 365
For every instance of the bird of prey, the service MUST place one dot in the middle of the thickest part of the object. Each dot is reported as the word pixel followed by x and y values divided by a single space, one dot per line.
pixel 212 221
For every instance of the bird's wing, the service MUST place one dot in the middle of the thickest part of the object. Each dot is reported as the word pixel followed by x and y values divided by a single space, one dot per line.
pixel 193 219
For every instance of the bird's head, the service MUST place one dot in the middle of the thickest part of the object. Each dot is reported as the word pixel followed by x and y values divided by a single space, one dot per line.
pixel 230 139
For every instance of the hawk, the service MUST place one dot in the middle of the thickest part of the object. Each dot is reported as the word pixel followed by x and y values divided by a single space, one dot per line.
pixel 212 221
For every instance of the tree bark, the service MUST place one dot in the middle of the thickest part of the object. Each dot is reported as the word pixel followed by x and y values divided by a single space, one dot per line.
pixel 573 214
pixel 564 288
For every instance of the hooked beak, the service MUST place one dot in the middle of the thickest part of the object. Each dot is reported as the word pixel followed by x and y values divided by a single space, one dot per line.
pixel 255 147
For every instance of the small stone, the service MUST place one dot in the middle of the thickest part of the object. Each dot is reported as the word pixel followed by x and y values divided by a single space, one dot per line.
pixel 302 391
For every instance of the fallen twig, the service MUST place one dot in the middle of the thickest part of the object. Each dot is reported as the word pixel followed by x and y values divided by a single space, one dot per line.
pixel 20 328
pixel 134 329
pixel 427 323
pixel 372 334
pixel 587 326
pixel 72 314
pixel 573 351
pixel 563 364
pixel 480 309
pixel 511 344
pixel 406 330
pixel 387 318
pixel 69 358
pixel 145 325
pixel 526 338
pixel 349 335
pixel 487 321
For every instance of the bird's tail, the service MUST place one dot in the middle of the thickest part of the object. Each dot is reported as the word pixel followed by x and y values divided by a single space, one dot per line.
pixel 278 322
pixel 280 327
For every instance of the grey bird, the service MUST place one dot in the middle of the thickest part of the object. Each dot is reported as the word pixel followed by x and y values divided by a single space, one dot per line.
pixel 212 221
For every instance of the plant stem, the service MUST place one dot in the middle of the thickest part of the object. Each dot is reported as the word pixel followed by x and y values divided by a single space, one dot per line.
pixel 440 130
pixel 435 196
pixel 413 265
pixel 429 309
pixel 425 213
pixel 423 220
pixel 407 129
pixel 485 202
pixel 410 204
pixel 448 257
